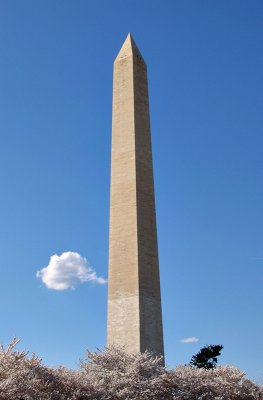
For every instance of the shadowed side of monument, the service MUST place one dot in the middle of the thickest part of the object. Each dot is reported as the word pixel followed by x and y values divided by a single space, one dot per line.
pixel 134 300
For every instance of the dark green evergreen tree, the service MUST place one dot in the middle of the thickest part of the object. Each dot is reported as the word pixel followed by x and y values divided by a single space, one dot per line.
pixel 207 357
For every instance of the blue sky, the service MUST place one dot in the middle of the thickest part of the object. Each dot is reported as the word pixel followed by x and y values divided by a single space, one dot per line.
pixel 205 81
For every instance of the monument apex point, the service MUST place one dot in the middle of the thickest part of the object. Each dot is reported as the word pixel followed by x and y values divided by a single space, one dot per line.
pixel 129 49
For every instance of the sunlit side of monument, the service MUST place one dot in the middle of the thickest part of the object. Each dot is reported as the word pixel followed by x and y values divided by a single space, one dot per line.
pixel 134 300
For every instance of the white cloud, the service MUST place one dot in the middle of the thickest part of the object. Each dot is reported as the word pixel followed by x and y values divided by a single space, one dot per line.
pixel 189 340
pixel 67 271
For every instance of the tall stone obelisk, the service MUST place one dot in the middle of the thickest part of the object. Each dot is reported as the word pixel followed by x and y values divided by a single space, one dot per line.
pixel 134 301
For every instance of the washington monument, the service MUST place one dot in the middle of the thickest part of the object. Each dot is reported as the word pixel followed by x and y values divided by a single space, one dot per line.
pixel 134 300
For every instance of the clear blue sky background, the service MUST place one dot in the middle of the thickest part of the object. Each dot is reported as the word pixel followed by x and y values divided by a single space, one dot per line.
pixel 205 81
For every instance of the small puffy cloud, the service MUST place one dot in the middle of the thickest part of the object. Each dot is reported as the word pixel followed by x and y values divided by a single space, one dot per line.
pixel 189 340
pixel 67 271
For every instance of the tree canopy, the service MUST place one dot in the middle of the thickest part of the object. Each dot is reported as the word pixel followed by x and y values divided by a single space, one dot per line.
pixel 113 374
pixel 207 357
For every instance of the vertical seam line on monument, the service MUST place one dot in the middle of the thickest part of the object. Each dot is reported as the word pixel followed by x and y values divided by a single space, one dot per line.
pixel 136 187
pixel 137 220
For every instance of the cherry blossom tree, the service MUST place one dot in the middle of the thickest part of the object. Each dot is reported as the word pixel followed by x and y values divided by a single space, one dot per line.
pixel 24 377
pixel 125 376
pixel 219 383
pixel 113 374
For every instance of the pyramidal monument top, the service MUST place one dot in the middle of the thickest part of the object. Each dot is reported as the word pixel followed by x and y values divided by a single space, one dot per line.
pixel 128 49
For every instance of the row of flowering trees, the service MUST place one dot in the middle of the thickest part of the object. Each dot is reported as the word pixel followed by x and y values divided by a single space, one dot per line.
pixel 115 375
